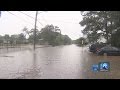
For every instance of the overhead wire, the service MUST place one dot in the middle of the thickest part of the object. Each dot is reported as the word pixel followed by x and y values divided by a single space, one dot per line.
pixel 38 21
pixel 30 17
pixel 45 20
pixel 65 22
pixel 22 19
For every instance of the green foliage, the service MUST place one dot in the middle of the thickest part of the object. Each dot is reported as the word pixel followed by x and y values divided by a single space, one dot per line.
pixel 59 40
pixel 81 41
pixel 52 35
pixel 115 39
pixel 13 39
pixel 1 39
pixel 66 40
pixel 49 34
pixel 21 38
pixel 104 22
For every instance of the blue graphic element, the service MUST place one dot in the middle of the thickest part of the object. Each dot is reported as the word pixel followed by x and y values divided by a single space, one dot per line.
pixel 95 68
pixel 104 66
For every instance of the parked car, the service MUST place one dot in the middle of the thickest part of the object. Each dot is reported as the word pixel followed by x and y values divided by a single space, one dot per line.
pixel 109 50
pixel 95 47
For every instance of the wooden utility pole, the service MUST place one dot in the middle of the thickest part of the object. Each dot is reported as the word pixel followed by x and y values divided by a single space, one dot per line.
pixel 34 41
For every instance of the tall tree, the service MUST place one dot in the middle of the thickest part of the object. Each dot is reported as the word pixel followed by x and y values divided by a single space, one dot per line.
pixel 52 35
pixel 21 38
pixel 6 37
pixel 104 22
pixel 81 41
pixel 1 40
pixel 49 34
pixel 26 31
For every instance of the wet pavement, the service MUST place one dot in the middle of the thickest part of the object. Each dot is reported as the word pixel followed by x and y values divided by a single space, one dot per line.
pixel 60 62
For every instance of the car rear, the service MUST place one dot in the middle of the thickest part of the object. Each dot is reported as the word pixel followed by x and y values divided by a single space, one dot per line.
pixel 95 47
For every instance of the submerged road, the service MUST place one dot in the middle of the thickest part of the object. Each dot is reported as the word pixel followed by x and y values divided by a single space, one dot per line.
pixel 60 62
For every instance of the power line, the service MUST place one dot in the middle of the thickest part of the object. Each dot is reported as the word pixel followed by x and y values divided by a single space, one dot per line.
pixel 26 14
pixel 60 21
pixel 22 19
pixel 66 22
pixel 33 18
pixel 30 17
pixel 44 19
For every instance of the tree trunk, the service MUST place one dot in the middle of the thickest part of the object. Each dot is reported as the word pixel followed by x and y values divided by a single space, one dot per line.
pixel 106 29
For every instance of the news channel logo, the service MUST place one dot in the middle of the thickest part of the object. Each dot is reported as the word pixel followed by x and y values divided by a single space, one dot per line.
pixel 101 66
pixel 95 68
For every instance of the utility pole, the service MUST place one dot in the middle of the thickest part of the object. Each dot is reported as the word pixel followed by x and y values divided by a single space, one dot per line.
pixel 34 41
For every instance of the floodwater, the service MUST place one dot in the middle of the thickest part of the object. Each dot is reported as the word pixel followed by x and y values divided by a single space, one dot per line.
pixel 59 62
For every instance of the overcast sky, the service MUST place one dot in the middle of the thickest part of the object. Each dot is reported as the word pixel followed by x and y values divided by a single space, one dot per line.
pixel 67 21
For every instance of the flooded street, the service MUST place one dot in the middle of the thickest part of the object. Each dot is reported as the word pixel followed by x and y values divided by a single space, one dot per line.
pixel 60 62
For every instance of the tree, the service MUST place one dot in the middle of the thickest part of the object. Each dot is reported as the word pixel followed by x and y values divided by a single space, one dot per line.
pixel 14 39
pixel 52 35
pixel 104 22
pixel 1 40
pixel 49 34
pixel 21 38
pixel 66 39
pixel 26 31
pixel 81 41
pixel 59 40
pixel 91 25
pixel 115 38
pixel 57 29
pixel 31 35
pixel 6 38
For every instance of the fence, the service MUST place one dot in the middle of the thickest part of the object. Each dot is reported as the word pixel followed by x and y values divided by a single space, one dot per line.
pixel 6 48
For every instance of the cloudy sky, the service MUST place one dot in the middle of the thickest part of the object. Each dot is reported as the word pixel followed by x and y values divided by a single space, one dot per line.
pixel 12 22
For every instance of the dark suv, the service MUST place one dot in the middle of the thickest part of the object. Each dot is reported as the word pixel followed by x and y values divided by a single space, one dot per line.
pixel 95 47
pixel 109 50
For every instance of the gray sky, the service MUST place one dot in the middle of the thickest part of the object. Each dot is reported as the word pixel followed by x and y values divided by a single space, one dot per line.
pixel 67 21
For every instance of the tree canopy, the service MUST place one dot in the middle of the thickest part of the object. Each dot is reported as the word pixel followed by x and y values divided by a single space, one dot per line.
pixel 100 23
pixel 50 34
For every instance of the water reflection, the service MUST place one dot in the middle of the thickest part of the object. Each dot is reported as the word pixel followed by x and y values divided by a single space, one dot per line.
pixel 29 71
pixel 36 71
